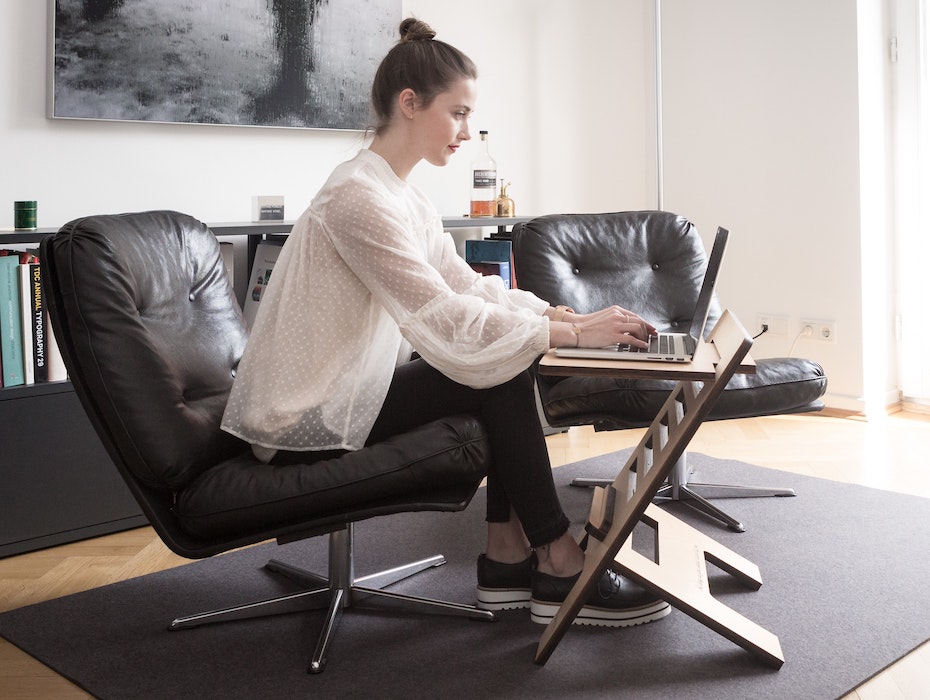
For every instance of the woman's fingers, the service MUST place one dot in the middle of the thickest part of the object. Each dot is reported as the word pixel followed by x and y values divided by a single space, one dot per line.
pixel 615 325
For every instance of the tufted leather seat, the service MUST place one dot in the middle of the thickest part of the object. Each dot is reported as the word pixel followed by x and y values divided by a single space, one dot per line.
pixel 650 262
pixel 653 263
pixel 151 334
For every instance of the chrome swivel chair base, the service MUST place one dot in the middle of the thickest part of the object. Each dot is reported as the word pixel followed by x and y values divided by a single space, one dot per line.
pixel 336 592
pixel 678 488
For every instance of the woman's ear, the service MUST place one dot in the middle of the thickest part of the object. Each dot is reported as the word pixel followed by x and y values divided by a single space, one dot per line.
pixel 407 102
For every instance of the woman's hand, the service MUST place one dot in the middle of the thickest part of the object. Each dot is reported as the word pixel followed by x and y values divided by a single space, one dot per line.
pixel 611 326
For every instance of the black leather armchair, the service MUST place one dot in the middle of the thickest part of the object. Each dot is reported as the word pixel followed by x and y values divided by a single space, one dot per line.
pixel 151 334
pixel 651 262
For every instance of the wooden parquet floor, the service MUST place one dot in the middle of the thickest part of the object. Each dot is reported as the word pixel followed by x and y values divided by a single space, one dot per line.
pixel 889 453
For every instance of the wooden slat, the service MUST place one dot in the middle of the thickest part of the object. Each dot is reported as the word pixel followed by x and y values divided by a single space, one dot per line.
pixel 667 438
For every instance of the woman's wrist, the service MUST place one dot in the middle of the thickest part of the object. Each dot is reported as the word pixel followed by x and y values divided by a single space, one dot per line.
pixel 558 313
pixel 576 331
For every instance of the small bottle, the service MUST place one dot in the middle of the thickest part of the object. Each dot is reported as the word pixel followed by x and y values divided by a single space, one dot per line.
pixel 504 203
pixel 484 182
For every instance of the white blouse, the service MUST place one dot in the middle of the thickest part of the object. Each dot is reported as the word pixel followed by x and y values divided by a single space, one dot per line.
pixel 366 276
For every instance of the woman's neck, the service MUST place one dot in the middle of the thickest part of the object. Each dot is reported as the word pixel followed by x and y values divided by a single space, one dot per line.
pixel 396 151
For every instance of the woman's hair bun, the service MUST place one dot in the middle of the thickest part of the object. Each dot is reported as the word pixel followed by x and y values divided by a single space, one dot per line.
pixel 412 29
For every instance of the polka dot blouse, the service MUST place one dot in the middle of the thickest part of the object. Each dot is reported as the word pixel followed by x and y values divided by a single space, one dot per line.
pixel 366 276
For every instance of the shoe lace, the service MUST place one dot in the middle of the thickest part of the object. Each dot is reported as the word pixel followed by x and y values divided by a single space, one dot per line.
pixel 609 584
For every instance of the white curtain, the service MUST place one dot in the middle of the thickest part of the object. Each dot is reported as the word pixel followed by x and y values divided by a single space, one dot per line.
pixel 912 188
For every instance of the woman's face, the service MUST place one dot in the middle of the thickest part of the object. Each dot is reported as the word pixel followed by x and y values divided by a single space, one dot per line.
pixel 444 124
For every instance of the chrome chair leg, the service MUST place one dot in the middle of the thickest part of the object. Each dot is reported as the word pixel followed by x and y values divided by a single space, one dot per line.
pixel 333 615
pixel 296 602
pixel 695 495
pixel 337 591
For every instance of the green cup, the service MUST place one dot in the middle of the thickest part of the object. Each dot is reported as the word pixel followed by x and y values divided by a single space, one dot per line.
pixel 24 215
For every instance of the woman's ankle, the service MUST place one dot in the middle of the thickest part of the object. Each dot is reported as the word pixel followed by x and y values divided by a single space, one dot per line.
pixel 508 556
pixel 562 557
pixel 507 544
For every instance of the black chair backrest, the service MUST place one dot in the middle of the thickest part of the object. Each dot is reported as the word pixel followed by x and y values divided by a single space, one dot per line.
pixel 151 333
pixel 650 262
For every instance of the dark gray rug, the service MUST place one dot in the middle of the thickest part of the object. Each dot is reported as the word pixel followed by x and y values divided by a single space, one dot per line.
pixel 845 571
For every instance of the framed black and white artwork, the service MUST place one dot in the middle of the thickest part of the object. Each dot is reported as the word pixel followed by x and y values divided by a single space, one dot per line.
pixel 283 63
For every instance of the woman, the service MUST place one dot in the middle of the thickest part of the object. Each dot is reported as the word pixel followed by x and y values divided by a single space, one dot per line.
pixel 368 277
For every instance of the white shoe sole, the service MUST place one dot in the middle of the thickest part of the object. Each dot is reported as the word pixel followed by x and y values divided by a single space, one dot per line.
pixel 503 599
pixel 543 613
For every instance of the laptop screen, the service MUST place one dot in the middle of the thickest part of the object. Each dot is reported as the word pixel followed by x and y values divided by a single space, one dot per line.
pixel 706 295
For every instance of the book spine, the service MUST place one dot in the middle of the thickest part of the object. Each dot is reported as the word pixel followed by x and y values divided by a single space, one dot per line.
pixel 39 323
pixel 25 319
pixel 11 329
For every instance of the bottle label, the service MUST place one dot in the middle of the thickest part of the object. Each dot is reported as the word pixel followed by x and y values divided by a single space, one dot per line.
pixel 485 178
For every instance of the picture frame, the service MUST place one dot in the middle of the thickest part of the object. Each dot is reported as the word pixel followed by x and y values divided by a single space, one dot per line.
pixel 270 63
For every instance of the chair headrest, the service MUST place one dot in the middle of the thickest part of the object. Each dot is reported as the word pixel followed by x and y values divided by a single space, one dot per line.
pixel 651 262
pixel 154 334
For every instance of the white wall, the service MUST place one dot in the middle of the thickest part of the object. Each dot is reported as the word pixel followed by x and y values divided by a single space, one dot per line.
pixel 762 136
pixel 562 93
pixel 548 128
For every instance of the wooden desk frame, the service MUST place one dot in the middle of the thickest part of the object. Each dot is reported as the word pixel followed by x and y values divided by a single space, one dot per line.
pixel 617 508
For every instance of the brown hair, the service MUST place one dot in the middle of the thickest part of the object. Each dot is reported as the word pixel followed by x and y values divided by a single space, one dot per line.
pixel 419 62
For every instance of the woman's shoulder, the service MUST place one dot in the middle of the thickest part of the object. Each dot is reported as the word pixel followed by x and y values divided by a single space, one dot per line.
pixel 354 180
pixel 368 182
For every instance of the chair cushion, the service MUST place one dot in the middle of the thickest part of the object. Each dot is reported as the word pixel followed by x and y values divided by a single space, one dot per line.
pixel 780 385
pixel 242 494
pixel 653 262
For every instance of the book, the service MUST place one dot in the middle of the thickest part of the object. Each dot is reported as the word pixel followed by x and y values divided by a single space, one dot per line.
pixel 266 254
pixel 25 318
pixel 56 363
pixel 485 251
pixel 11 327
pixel 227 250
pixel 35 322
pixel 502 269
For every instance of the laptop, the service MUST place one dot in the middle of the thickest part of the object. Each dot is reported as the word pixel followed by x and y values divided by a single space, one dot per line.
pixel 667 347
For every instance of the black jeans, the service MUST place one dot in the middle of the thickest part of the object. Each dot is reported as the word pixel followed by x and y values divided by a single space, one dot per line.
pixel 520 474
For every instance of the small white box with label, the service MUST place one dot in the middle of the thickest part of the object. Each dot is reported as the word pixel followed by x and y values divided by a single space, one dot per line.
pixel 268 208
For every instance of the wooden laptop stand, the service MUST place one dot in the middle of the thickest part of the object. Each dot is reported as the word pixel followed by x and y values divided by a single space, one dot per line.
pixel 678 572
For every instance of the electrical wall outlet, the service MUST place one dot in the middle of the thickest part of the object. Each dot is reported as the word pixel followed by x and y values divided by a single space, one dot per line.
pixel 819 329
pixel 777 323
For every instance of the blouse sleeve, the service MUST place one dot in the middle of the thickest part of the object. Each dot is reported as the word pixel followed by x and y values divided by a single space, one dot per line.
pixel 468 327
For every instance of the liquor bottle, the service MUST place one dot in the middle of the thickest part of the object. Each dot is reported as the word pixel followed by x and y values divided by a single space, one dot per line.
pixel 484 182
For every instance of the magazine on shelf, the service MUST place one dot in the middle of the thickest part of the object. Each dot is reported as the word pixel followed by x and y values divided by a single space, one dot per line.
pixel 266 254
pixel 492 257
pixel 229 260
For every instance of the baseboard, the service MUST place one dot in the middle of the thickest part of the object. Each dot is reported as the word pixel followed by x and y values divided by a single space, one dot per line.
pixel 840 402
pixel 913 406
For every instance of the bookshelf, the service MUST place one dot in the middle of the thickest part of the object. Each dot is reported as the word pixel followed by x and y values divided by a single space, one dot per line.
pixel 57 484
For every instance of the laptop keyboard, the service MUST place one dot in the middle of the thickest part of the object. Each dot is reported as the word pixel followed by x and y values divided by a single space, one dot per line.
pixel 661 344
